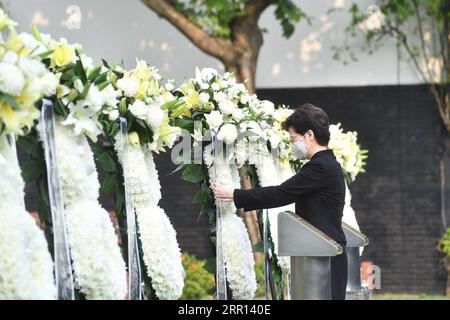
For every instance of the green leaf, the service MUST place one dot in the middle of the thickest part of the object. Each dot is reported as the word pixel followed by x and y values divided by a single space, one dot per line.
pixel 210 265
pixel 45 54
pixel 106 162
pixel 30 146
pixel 193 173
pixel 31 170
pixel 94 73
pixel 79 69
pixel 201 196
pixel 110 185
pixel 185 123
pixel 85 92
pixel 9 99
pixel 171 105
pixel 35 32
pixel 258 247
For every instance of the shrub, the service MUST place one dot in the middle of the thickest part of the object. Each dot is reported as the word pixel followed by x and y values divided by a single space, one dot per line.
pixel 199 284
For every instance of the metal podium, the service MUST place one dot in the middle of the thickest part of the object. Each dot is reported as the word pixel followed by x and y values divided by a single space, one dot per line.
pixel 355 240
pixel 310 251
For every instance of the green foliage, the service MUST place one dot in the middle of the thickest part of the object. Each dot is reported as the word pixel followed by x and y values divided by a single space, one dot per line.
pixel 199 283
pixel 444 243
pixel 403 20
pixel 260 279
pixel 217 16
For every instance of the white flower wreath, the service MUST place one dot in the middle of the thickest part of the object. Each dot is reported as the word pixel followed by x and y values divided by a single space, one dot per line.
pixel 98 265
pixel 26 266
pixel 162 255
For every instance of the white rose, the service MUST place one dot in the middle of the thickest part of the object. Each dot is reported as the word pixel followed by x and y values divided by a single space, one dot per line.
pixel 268 107
pixel 245 98
pixel 12 80
pixel 204 97
pixel 238 114
pixel 227 107
pixel 228 133
pixel 241 87
pixel 128 85
pixel 215 86
pixel 214 119
pixel 208 73
pixel 139 109
pixel 155 117
pixel 220 96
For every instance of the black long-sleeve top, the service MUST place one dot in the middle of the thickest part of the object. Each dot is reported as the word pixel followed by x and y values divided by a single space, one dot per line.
pixel 318 191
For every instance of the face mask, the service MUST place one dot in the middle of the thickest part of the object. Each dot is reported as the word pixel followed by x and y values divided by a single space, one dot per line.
pixel 299 149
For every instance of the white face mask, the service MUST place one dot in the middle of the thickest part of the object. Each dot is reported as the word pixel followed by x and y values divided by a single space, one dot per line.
pixel 300 149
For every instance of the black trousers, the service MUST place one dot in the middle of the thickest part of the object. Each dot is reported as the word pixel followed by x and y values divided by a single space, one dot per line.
pixel 339 273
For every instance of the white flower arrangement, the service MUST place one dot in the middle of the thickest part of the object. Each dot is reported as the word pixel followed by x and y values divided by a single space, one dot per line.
pixel 161 253
pixel 99 268
pixel 347 150
pixel 26 266
pixel 24 79
pixel 143 99
pixel 237 249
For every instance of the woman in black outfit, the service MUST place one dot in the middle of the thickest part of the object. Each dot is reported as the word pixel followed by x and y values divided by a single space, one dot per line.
pixel 318 189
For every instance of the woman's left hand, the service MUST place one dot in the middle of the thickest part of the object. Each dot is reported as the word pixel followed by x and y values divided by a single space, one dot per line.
pixel 222 193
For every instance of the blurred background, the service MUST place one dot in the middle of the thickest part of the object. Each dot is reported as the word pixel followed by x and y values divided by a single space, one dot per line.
pixel 401 199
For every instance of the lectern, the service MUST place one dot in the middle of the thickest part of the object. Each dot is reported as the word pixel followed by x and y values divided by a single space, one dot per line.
pixel 310 251
pixel 355 240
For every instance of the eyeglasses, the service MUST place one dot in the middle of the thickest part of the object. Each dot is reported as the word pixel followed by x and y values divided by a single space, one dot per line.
pixel 299 137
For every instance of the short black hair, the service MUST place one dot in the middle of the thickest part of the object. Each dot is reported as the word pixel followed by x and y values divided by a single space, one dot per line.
pixel 309 117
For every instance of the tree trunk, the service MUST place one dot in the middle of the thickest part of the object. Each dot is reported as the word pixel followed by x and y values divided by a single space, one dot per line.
pixel 248 41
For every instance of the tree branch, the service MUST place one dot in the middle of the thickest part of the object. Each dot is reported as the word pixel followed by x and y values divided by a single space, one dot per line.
pixel 215 46
pixel 256 7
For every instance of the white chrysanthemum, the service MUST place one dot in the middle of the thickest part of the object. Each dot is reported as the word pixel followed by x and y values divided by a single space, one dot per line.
pixel 32 67
pixel 228 133
pixel 49 84
pixel 12 80
pixel 161 253
pixel 98 265
pixel 26 267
